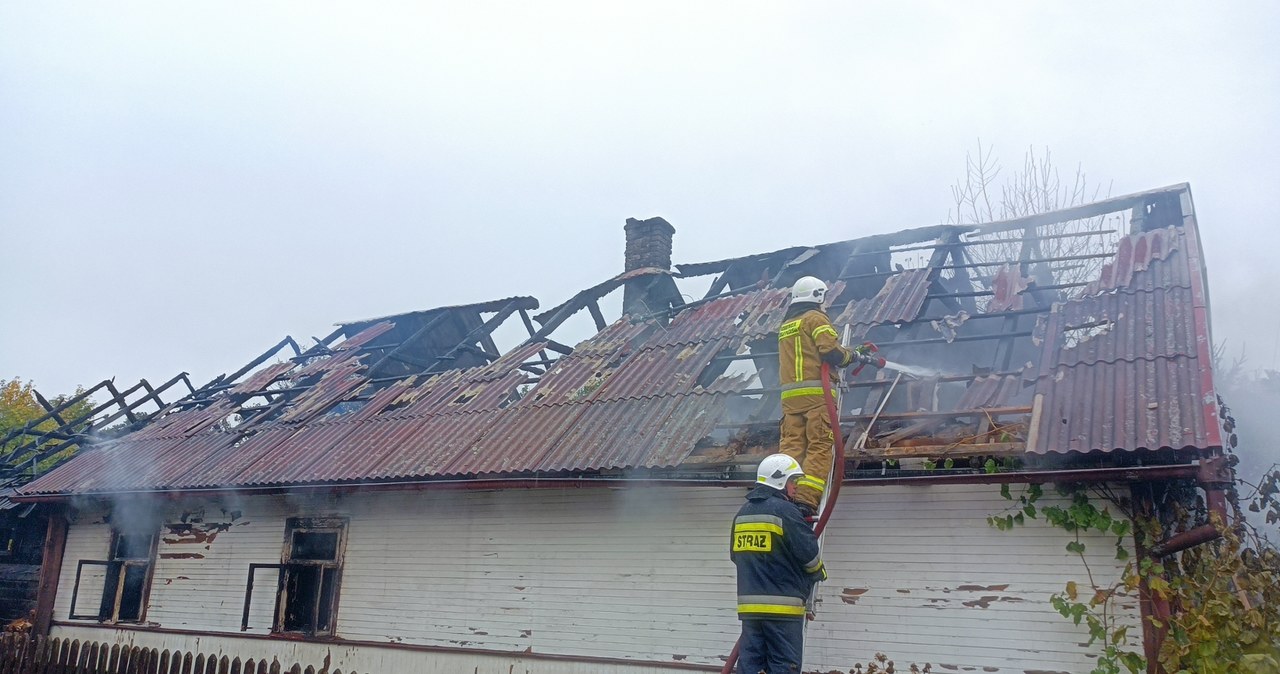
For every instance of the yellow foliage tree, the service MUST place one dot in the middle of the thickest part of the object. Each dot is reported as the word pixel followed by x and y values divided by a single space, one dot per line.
pixel 19 407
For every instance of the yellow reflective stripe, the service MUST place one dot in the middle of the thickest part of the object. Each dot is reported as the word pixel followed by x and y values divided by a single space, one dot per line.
pixel 813 478
pixel 823 329
pixel 799 360
pixel 806 391
pixel 812 483
pixel 757 526
pixel 802 384
pixel 771 609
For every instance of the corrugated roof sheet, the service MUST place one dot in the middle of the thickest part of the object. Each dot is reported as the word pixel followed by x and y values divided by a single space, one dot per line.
pixel 1007 286
pixel 993 391
pixel 900 300
pixel 1126 365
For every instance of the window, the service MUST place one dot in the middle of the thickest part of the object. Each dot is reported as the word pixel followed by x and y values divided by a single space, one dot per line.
pixel 307 577
pixel 125 578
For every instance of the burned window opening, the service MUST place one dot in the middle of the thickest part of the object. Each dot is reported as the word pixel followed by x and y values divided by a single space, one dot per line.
pixel 308 577
pixel 311 567
pixel 125 578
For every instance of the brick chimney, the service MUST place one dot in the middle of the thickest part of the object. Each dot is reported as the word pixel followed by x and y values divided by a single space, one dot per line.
pixel 648 245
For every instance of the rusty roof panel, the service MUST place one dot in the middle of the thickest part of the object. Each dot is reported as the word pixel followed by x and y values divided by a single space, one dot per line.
pixel 661 370
pixel 575 377
pixel 517 440
pixel 1126 366
pixel 636 433
pixel 616 335
pixel 1142 253
pixel 993 391
pixel 1143 404
pixel 1007 286
pixel 1121 327
pixel 750 314
pixel 224 466
pixel 432 445
pixel 900 300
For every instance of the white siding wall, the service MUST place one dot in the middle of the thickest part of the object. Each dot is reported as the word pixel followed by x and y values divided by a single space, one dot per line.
pixel 88 538
pixel 638 574
pixel 918 574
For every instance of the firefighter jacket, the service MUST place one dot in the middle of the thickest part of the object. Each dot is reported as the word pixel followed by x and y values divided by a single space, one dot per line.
pixel 806 338
pixel 777 556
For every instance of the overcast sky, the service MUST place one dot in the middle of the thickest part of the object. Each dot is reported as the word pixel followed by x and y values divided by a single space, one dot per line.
pixel 182 184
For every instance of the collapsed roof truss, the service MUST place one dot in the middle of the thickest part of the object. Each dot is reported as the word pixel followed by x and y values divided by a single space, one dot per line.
pixel 999 312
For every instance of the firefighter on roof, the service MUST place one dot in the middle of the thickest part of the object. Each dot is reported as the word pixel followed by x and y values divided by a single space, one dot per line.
pixel 778 560
pixel 806 338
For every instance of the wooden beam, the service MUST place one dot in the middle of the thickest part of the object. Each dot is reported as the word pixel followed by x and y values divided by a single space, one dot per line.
pixel 55 544
pixel 960 451
pixel 1033 427
pixel 992 411
pixel 594 307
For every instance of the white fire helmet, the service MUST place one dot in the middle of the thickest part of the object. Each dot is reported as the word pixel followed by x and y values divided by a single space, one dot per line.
pixel 809 289
pixel 776 469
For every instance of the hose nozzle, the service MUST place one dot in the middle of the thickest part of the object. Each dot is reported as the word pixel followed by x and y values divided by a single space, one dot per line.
pixel 867 354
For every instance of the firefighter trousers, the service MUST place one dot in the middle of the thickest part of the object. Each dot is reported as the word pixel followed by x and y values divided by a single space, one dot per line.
pixel 771 647
pixel 806 437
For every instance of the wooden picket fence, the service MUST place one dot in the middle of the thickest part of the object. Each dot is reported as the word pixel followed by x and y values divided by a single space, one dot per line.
pixel 22 654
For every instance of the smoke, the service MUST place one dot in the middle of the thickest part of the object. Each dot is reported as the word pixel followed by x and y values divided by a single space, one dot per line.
pixel 135 514
pixel 1254 399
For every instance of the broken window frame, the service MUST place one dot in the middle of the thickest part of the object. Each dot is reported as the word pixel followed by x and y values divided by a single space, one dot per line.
pixel 288 569
pixel 112 599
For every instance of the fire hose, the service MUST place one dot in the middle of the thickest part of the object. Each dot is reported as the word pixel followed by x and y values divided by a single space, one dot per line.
pixel 833 489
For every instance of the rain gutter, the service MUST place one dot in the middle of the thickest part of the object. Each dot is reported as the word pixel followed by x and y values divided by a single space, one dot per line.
pixel 1130 474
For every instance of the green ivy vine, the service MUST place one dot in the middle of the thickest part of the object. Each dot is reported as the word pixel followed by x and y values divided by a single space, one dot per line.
pixel 1095 606
pixel 1224 595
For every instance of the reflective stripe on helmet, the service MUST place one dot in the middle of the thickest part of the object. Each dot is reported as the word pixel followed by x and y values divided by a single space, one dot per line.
pixel 776 469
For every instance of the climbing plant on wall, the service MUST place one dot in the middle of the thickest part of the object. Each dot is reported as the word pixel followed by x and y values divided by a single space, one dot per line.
pixel 1224 596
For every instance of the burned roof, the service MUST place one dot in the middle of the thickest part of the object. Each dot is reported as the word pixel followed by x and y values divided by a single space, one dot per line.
pixel 1082 331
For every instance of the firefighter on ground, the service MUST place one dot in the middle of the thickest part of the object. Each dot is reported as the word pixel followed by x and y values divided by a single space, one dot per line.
pixel 806 338
pixel 778 560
